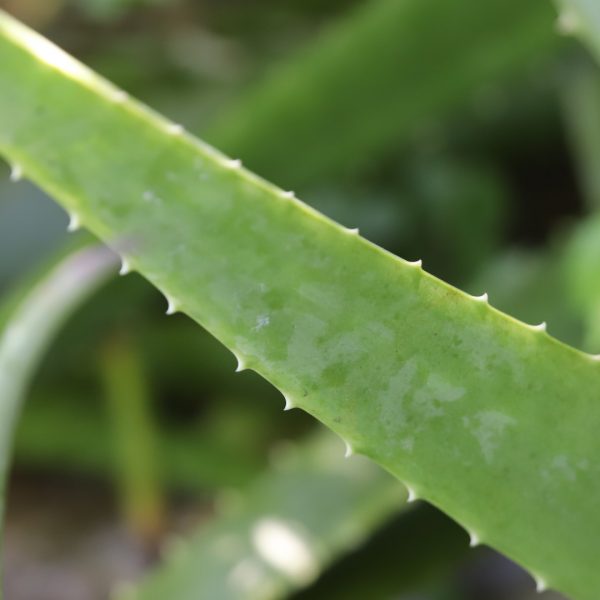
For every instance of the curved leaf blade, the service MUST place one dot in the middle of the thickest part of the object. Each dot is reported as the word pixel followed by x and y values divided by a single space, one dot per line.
pixel 28 323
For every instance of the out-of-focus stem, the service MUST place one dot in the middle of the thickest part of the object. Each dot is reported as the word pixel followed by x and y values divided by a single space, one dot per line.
pixel 135 440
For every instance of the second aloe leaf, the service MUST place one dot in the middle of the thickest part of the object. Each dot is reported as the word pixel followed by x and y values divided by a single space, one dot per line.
pixel 294 520
pixel 488 418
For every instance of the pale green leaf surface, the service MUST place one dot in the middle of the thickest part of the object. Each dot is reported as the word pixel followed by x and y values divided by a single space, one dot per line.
pixel 307 509
pixel 485 417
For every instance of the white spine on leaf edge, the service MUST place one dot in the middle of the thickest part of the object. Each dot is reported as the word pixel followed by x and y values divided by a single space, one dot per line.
pixel 412 494
pixel 241 365
pixel 171 306
pixel 125 267
pixel 175 128
pixel 74 223
pixel 289 404
pixel 349 450
pixel 540 584
pixel 16 173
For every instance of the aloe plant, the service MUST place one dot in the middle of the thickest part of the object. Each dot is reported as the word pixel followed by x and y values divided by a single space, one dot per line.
pixel 372 94
pixel 28 321
pixel 275 538
pixel 484 416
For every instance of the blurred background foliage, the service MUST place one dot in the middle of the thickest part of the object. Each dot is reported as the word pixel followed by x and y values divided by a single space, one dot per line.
pixel 465 134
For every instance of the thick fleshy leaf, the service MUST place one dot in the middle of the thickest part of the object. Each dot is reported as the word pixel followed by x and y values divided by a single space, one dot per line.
pixel 488 418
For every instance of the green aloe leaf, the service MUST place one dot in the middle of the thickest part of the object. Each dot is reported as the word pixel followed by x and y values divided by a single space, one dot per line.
pixel 488 418
pixel 28 321
pixel 309 507
pixel 383 74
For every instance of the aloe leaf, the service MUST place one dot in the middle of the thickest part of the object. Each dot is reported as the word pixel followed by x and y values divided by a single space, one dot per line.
pixel 384 73
pixel 488 418
pixel 27 324
pixel 281 532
